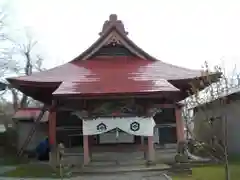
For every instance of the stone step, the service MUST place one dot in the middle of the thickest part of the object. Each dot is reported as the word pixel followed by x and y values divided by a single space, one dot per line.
pixel 119 169
pixel 117 163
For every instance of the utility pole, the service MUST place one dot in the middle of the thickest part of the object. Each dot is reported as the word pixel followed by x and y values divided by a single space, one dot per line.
pixel 227 174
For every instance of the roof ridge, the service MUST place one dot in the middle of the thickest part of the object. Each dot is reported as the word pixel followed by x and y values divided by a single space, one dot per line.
pixel 111 25
pixel 113 22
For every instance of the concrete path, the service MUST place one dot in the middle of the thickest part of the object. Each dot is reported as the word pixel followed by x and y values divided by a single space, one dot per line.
pixel 128 176
pixel 124 176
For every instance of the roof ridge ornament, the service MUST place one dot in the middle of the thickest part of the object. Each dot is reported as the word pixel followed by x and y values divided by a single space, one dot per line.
pixel 113 22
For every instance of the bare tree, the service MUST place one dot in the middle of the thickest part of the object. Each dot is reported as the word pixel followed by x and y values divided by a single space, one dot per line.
pixel 18 56
pixel 24 61
pixel 5 57
pixel 4 43
pixel 28 63
pixel 215 95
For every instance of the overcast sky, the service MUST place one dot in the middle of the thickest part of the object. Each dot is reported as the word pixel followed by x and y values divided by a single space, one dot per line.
pixel 181 32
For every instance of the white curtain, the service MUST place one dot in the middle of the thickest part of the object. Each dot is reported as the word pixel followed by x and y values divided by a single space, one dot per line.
pixel 138 126
pixel 116 137
pixel 98 126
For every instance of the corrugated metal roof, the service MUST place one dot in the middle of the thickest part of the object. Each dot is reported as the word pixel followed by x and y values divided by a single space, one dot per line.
pixel 211 93
pixel 30 114
pixel 113 75
pixel 104 87
pixel 89 70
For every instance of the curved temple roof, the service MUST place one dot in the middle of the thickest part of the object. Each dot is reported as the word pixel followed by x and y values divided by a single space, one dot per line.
pixel 99 71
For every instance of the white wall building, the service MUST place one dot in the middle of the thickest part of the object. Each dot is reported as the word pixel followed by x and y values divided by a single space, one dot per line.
pixel 207 107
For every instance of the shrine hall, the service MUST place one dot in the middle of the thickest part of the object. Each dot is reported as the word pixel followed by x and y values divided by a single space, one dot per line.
pixel 113 97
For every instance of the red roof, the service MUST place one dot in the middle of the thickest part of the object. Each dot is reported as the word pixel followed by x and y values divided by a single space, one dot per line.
pixel 30 114
pixel 92 70
pixel 113 75
pixel 91 75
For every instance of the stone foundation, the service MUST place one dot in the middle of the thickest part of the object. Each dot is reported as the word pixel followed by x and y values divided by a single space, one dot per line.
pixel 118 158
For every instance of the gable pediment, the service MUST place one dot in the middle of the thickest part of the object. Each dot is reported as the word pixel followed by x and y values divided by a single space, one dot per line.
pixel 113 43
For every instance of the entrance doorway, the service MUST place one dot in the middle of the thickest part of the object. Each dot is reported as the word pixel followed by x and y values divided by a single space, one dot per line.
pixel 70 137
pixel 69 129
pixel 167 135
pixel 165 129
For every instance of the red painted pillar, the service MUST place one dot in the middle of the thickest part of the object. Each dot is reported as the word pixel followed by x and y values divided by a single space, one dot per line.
pixel 86 150
pixel 52 136
pixel 151 149
pixel 179 124
pixel 52 127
